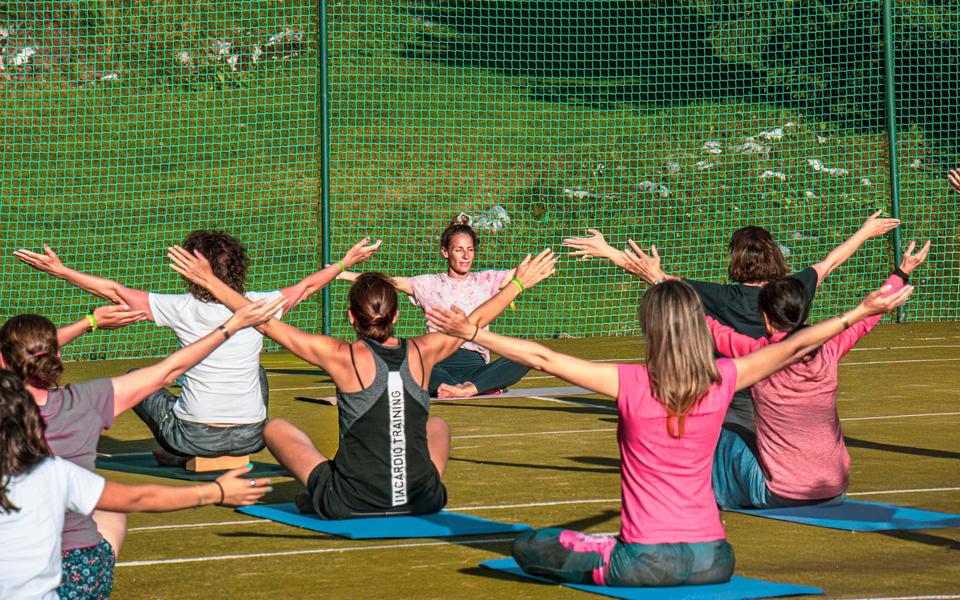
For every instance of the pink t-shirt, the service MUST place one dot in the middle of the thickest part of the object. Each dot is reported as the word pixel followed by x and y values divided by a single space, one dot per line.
pixel 468 293
pixel 798 428
pixel 665 481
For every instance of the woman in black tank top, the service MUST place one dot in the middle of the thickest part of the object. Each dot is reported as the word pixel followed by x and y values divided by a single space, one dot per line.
pixel 392 453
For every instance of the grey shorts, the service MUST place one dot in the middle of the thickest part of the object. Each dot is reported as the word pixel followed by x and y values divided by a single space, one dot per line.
pixel 186 438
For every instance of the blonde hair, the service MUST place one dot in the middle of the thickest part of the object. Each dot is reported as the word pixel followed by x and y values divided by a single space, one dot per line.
pixel 679 351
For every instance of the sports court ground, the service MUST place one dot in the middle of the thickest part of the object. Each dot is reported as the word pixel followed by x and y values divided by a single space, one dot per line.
pixel 554 462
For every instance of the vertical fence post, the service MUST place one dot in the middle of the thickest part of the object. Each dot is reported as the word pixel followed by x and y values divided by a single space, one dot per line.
pixel 324 162
pixel 890 106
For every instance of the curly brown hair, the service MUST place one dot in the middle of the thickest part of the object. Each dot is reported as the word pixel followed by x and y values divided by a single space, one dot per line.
pixel 754 256
pixel 228 259
pixel 22 445
pixel 28 344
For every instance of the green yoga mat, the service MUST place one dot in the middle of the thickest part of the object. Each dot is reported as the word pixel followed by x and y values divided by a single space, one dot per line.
pixel 143 463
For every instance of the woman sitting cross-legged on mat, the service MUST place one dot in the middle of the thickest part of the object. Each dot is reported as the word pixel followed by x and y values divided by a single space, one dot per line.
pixel 755 258
pixel 670 415
pixel 392 453
pixel 37 489
pixel 76 414
pixel 797 455
pixel 468 371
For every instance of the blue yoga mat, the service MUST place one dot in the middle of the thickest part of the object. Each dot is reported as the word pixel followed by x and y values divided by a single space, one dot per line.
pixel 441 524
pixel 851 515
pixel 737 588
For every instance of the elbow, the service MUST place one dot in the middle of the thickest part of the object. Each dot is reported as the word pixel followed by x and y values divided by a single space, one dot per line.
pixel 539 359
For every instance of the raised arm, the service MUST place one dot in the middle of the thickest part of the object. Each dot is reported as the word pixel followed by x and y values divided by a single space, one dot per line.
pixel 763 363
pixel 633 260
pixel 319 350
pixel 531 271
pixel 730 343
pixel 874 226
pixel 312 284
pixel 402 284
pixel 594 246
pixel 230 489
pixel 602 378
pixel 104 317
pixel 50 263
pixel 130 389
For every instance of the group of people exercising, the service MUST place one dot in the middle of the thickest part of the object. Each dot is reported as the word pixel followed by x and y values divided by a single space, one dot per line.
pixel 692 437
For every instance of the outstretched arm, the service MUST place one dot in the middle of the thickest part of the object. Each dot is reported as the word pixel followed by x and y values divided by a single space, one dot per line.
pixel 873 227
pixel 763 363
pixel 312 284
pixel 730 343
pixel 230 489
pixel 633 260
pixel 531 271
pixel 104 317
pixel 602 378
pixel 130 389
pixel 50 263
pixel 402 284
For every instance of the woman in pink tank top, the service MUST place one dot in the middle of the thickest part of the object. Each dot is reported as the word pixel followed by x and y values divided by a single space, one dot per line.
pixel 671 410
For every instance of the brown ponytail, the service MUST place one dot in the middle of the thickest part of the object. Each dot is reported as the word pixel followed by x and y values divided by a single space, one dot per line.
pixel 373 303
pixel 29 346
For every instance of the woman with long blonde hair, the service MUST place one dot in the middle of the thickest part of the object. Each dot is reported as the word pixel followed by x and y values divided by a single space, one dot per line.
pixel 670 414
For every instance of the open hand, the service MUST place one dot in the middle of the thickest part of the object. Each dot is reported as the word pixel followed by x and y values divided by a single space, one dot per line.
pixel 238 491
pixel 451 322
pixel 910 260
pixel 532 271
pixel 593 246
pixel 954 177
pixel 647 266
pixel 875 226
pixel 48 262
pixel 882 301
pixel 360 252
pixel 194 266
pixel 115 316
pixel 255 313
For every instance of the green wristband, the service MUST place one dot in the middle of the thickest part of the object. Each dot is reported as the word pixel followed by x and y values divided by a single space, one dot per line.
pixel 92 320
pixel 343 267
pixel 519 285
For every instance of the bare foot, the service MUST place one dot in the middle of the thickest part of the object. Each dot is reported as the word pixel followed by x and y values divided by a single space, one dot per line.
pixel 304 503
pixel 165 459
pixel 461 390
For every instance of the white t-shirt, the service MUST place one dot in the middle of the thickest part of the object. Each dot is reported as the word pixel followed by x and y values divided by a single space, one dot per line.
pixel 30 563
pixel 225 386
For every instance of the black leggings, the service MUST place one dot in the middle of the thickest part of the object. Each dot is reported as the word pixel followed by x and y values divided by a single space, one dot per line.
pixel 466 365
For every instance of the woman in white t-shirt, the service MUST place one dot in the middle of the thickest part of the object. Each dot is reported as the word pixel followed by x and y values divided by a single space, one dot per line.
pixel 468 371
pixel 222 407
pixel 36 490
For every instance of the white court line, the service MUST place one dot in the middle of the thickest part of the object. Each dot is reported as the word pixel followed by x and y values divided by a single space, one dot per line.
pixel 525 505
pixel 316 387
pixel 527 433
pixel 575 403
pixel 892 362
pixel 172 561
pixel 947 414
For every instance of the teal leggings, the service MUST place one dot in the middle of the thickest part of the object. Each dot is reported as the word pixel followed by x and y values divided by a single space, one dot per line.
pixel 465 365
pixel 574 557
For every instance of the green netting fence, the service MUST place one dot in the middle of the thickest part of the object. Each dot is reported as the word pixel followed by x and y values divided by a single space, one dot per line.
pixel 127 124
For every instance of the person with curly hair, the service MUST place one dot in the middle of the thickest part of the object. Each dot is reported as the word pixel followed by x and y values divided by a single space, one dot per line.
pixel 222 408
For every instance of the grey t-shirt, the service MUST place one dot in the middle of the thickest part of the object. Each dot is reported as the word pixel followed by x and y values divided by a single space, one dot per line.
pixel 75 415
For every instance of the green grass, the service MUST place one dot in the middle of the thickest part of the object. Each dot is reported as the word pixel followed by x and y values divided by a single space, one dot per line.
pixel 111 174
pixel 524 463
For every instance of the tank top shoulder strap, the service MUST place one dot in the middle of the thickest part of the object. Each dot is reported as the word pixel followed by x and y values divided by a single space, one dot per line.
pixel 353 361
pixel 416 347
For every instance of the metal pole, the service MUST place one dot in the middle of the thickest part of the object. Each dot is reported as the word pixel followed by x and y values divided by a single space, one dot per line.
pixel 890 106
pixel 324 161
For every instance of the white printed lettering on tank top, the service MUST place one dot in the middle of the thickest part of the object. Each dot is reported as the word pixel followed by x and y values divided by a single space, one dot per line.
pixel 398 439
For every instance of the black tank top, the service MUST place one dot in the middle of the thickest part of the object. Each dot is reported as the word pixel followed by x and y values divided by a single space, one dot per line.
pixel 383 464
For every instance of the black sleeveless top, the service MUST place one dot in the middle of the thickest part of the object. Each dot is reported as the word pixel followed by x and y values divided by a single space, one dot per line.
pixel 383 463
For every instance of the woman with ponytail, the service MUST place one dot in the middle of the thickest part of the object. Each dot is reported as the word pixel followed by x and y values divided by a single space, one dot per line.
pixel 670 412
pixel 75 415
pixel 797 455
pixel 392 453
pixel 38 489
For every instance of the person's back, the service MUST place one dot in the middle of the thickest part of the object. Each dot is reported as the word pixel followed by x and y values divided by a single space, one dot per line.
pixel 667 496
pixel 383 464
pixel 31 534
pixel 226 386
